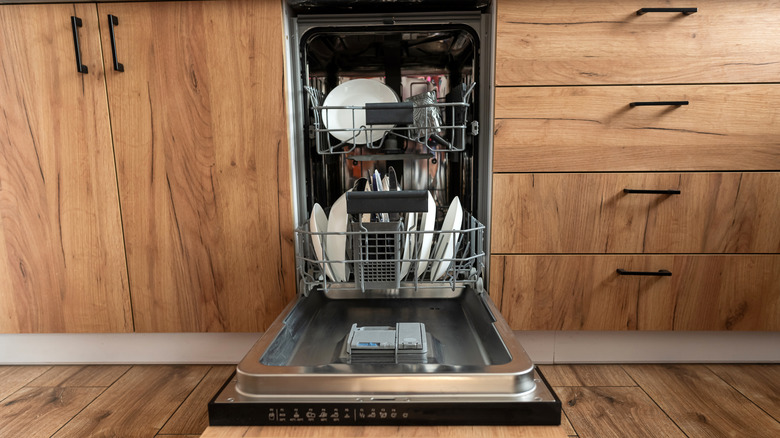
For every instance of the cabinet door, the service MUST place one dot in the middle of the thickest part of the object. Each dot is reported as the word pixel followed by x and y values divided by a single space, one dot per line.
pixel 586 129
pixel 198 117
pixel 580 42
pixel 62 265
pixel 585 292
pixel 591 213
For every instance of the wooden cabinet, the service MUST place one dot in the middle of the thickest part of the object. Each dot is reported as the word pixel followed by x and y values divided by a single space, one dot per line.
pixel 585 292
pixel 62 264
pixel 198 165
pixel 200 138
pixel 568 143
pixel 591 213
pixel 604 42
pixel 581 129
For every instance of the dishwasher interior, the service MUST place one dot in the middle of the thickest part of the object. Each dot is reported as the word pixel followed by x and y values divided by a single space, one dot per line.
pixel 391 166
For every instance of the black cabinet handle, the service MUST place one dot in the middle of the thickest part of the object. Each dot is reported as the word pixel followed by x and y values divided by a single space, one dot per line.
pixel 652 192
pixel 662 103
pixel 113 21
pixel 75 23
pixel 660 273
pixel 684 11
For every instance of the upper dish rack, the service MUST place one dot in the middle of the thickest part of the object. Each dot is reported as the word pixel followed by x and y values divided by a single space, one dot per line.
pixel 374 258
pixel 440 126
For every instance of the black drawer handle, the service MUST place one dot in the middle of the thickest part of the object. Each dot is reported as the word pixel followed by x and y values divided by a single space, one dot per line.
pixel 652 192
pixel 684 11
pixel 113 21
pixel 660 273
pixel 661 103
pixel 75 23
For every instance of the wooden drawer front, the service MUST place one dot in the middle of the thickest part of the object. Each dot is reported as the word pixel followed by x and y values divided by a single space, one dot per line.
pixel 590 213
pixel 704 292
pixel 570 129
pixel 578 42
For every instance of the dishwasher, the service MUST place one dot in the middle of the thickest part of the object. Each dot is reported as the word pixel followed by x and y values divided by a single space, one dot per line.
pixel 391 156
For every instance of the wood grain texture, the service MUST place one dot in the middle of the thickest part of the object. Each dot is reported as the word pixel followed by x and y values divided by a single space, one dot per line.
pixel 201 145
pixel 586 375
pixel 576 42
pixel 615 412
pixel 138 404
pixel 386 431
pixel 584 292
pixel 719 293
pixel 14 377
pixel 567 426
pixel 61 251
pixel 192 416
pixel 702 404
pixel 80 375
pixel 589 213
pixel 759 383
pixel 580 129
pixel 40 412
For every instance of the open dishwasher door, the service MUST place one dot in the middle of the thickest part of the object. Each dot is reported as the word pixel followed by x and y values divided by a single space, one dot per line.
pixel 391 186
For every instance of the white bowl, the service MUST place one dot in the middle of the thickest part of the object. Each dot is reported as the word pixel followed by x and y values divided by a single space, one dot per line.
pixel 357 92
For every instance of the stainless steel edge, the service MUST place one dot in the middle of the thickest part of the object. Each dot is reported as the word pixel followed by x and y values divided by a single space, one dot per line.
pixel 488 59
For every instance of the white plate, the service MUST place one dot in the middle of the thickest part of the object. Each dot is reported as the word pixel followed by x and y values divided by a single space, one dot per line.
pixel 356 92
pixel 409 241
pixel 445 245
pixel 336 243
pixel 318 223
pixel 427 223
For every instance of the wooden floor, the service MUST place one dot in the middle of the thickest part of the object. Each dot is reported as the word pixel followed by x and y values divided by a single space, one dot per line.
pixel 598 400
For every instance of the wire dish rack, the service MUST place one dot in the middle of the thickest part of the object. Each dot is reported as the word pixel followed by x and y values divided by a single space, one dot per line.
pixel 441 126
pixel 382 256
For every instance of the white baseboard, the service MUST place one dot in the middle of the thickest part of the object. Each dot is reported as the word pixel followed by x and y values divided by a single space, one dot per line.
pixel 125 348
pixel 544 347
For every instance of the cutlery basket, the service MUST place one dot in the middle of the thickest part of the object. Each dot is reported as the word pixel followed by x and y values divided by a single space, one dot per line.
pixel 376 250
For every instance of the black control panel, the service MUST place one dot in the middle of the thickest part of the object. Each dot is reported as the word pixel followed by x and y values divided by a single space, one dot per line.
pixel 384 413
pixel 303 414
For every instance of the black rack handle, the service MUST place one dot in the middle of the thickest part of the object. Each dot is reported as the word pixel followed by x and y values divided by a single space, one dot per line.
pixel 113 21
pixel 684 11
pixel 661 103
pixel 653 192
pixel 659 273
pixel 400 201
pixel 75 23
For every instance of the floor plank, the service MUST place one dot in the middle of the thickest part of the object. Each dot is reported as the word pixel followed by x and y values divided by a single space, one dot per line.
pixel 177 436
pixel 40 412
pixel 586 375
pixel 14 377
pixel 138 404
pixel 566 425
pixel 81 375
pixel 615 412
pixel 192 416
pixel 386 431
pixel 759 383
pixel 702 404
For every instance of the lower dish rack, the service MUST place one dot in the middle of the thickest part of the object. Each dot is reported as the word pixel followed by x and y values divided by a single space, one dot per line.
pixel 389 257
